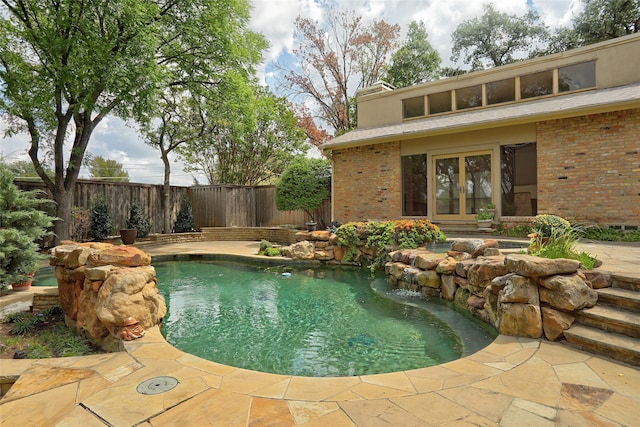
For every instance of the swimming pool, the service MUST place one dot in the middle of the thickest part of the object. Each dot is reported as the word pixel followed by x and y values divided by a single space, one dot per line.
pixel 308 322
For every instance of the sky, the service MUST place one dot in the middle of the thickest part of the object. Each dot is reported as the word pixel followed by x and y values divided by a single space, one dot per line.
pixel 117 140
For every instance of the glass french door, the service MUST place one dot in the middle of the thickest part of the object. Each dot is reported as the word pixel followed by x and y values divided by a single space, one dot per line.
pixel 462 184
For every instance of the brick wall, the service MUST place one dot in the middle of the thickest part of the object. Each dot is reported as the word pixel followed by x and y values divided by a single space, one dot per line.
pixel 589 167
pixel 368 184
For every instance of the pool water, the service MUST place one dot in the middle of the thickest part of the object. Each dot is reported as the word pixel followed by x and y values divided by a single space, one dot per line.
pixel 308 322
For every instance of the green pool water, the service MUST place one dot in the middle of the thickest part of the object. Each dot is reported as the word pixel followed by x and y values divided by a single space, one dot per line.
pixel 315 322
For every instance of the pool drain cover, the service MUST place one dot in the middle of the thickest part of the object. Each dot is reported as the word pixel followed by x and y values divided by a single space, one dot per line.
pixel 157 385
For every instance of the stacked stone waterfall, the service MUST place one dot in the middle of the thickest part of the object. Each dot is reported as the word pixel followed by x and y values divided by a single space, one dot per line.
pixel 101 286
pixel 520 295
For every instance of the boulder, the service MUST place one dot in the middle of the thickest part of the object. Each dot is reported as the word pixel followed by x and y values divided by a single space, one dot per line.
pixel 555 322
pixel 449 287
pixel 462 267
pixel 322 235
pixel 126 256
pixel 520 320
pixel 469 246
pixel 325 254
pixel 532 266
pixel 598 279
pixel 447 266
pixel 395 269
pixel 301 250
pixel 338 252
pixel 428 278
pixel 130 293
pixel 485 270
pixel 519 289
pixel 567 292
pixel 302 236
pixel 428 260
pixel 476 302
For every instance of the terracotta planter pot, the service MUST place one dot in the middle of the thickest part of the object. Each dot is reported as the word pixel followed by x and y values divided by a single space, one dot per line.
pixel 25 285
pixel 128 235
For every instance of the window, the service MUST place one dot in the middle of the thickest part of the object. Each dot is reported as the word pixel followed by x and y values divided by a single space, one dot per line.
pixel 519 180
pixel 578 76
pixel 469 97
pixel 501 91
pixel 537 84
pixel 440 102
pixel 414 185
pixel 413 107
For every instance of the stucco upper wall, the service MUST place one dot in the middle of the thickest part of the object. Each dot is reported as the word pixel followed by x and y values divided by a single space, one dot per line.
pixel 617 63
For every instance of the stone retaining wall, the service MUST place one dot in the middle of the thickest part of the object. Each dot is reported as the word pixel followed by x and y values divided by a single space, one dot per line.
pixel 520 295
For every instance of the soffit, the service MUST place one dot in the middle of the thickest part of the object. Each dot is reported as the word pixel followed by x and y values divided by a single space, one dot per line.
pixel 556 107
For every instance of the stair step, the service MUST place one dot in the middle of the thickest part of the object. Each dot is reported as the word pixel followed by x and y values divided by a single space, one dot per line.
pixel 618 347
pixel 610 319
pixel 622 298
pixel 625 282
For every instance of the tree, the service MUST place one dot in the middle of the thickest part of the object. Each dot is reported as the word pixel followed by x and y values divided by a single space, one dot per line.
pixel 67 64
pixel 24 169
pixel 254 135
pixel 105 169
pixel 598 21
pixel 335 58
pixel 497 38
pixel 230 53
pixel 416 61
pixel 303 185
pixel 21 224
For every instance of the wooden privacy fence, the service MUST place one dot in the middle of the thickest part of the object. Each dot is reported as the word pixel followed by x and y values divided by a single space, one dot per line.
pixel 246 206
pixel 213 205
pixel 120 196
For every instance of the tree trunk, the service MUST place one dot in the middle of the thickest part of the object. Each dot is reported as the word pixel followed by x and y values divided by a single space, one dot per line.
pixel 166 193
pixel 64 200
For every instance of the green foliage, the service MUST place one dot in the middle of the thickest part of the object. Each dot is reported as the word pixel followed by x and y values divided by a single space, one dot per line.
pixel 484 214
pixel 138 220
pixel 249 136
pixel 84 60
pixel 304 184
pixel 101 225
pixel 517 231
pixel 44 335
pixel 497 38
pixel 272 252
pixel 184 221
pixel 609 234
pixel 264 244
pixel 416 61
pixel 106 169
pixel 550 226
pixel 21 224
pixel 605 19
pixel 554 237
pixel 386 236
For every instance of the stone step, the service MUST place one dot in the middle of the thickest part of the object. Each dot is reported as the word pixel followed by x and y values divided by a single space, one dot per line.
pixel 622 298
pixel 618 347
pixel 625 282
pixel 610 319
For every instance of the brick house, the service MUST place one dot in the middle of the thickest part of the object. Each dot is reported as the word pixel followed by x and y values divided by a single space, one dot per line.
pixel 558 134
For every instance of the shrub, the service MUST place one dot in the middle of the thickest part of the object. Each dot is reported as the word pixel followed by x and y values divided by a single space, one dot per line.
pixel 550 225
pixel 21 224
pixel 272 252
pixel 304 184
pixel 559 241
pixel 184 221
pixel 138 220
pixel 101 225
pixel 385 236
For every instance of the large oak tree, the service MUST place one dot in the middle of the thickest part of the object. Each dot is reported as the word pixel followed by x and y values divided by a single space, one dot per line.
pixel 66 64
